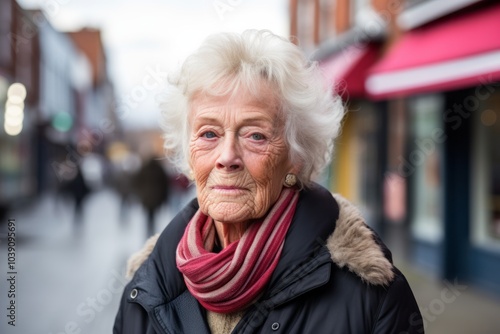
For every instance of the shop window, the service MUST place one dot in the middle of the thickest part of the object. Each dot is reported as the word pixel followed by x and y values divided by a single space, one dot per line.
pixel 353 172
pixel 305 25
pixel 327 20
pixel 423 165
pixel 485 223
pixel 367 159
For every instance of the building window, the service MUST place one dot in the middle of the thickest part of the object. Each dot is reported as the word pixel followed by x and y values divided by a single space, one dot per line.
pixel 327 20
pixel 423 166
pixel 367 157
pixel 485 222
pixel 305 25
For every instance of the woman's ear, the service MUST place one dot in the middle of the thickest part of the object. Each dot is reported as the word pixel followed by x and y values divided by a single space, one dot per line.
pixel 292 176
pixel 295 168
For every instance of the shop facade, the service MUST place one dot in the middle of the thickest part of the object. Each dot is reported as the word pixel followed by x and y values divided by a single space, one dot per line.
pixel 449 97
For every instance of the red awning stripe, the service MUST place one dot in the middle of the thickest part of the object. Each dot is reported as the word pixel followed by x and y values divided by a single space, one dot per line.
pixel 439 75
pixel 450 53
pixel 336 67
pixel 347 70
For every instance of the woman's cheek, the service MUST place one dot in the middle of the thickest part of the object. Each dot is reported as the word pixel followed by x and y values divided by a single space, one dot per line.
pixel 255 147
pixel 200 149
pixel 201 165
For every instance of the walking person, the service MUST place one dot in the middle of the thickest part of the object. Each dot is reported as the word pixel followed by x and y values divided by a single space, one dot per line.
pixel 151 185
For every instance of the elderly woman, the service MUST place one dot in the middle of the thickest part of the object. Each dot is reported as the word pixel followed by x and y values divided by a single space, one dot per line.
pixel 262 249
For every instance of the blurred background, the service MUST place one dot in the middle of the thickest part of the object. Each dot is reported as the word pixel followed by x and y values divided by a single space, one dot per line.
pixel 82 172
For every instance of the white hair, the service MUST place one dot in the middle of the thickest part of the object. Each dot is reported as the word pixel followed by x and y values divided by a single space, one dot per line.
pixel 227 61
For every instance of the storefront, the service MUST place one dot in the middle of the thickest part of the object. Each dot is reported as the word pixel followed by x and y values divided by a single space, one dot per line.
pixel 359 156
pixel 16 166
pixel 18 97
pixel 484 266
pixel 451 163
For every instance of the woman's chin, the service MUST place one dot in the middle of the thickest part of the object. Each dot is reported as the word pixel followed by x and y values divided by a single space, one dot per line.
pixel 230 212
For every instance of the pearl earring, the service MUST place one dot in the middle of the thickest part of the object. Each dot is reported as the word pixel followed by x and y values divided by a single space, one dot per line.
pixel 290 180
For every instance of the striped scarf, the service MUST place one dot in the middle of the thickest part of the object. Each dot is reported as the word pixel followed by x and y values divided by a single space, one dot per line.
pixel 232 279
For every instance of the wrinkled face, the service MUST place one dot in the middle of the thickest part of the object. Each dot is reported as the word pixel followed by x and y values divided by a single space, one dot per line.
pixel 238 155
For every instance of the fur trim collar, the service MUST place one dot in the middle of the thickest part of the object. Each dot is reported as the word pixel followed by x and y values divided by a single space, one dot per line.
pixel 135 261
pixel 351 245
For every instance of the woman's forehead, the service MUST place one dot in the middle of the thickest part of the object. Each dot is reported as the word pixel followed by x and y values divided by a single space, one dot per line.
pixel 261 98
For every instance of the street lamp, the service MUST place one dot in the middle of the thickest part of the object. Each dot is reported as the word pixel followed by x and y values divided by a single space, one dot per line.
pixel 14 109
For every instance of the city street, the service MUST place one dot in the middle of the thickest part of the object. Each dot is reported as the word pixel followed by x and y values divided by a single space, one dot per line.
pixel 69 278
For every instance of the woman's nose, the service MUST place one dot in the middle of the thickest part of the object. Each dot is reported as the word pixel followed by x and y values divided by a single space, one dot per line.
pixel 229 158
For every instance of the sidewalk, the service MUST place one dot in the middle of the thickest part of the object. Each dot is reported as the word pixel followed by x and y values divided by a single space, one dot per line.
pixel 450 307
pixel 69 277
pixel 446 306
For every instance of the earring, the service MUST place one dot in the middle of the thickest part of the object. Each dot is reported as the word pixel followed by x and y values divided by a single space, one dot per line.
pixel 290 180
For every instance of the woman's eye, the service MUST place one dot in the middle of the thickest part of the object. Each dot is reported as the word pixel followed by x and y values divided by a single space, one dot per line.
pixel 209 135
pixel 257 136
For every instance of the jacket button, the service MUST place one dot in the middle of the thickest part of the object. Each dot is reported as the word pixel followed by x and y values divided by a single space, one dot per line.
pixel 275 326
pixel 133 293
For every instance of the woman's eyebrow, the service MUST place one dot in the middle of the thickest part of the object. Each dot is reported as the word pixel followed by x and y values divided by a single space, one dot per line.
pixel 257 120
pixel 201 120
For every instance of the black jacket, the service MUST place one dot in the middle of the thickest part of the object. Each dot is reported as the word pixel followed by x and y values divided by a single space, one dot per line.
pixel 334 276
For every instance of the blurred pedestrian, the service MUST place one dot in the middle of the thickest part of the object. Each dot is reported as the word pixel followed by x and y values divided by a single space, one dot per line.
pixel 76 188
pixel 123 168
pixel 151 185
pixel 182 192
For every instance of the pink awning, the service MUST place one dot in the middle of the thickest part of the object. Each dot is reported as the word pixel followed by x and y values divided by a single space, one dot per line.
pixel 347 70
pixel 454 52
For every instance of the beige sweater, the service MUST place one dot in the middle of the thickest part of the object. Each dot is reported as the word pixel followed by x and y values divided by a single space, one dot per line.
pixel 221 323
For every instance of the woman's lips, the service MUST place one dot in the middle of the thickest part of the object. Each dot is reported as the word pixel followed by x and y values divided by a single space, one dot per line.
pixel 228 189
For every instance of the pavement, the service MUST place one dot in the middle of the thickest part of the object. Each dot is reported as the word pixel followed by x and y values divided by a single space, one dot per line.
pixel 451 306
pixel 69 277
pixel 446 306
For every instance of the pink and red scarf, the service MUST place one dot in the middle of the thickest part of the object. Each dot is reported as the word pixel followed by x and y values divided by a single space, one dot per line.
pixel 232 279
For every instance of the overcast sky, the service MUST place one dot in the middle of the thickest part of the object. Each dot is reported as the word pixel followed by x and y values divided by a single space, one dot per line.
pixel 145 35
